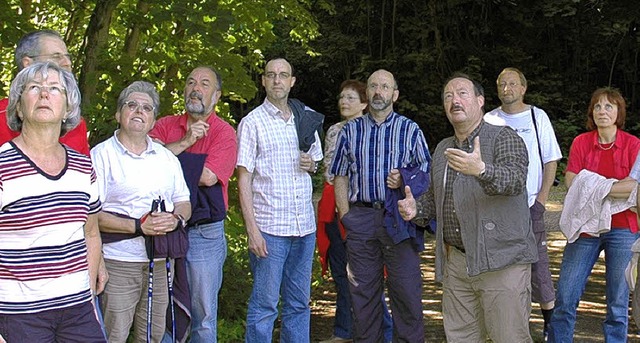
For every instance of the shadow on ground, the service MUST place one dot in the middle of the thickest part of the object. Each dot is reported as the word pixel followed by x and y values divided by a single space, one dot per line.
pixel 591 311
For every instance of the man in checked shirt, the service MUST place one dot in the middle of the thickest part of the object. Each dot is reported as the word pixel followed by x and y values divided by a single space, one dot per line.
pixel 484 241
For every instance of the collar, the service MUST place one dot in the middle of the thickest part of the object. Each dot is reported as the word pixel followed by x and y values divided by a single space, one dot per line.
pixel 389 119
pixel 275 112
pixel 123 150
pixel 183 121
pixel 468 142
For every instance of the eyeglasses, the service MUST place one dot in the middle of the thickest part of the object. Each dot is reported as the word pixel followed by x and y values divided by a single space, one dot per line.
pixel 55 57
pixel 36 89
pixel 349 98
pixel 385 87
pixel 134 106
pixel 272 75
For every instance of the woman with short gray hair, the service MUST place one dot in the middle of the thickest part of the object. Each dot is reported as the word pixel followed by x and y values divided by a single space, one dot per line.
pixel 50 246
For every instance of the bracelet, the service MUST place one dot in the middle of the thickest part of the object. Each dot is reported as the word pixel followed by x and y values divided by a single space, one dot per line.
pixel 182 223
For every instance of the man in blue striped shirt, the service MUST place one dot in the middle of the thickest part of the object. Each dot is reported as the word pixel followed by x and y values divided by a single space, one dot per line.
pixel 370 153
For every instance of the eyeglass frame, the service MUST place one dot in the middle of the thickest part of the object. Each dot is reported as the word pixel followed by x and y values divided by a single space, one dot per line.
pixel 139 106
pixel 28 87
pixel 55 56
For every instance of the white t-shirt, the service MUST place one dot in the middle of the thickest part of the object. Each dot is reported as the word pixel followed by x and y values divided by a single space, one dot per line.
pixel 523 125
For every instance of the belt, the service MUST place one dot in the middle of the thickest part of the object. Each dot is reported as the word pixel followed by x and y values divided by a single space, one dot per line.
pixel 378 205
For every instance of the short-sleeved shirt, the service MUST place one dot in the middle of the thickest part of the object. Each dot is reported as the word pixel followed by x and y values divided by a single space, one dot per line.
pixel 43 253
pixel 367 151
pixel 585 153
pixel 129 183
pixel 522 123
pixel 219 145
pixel 282 191
pixel 76 139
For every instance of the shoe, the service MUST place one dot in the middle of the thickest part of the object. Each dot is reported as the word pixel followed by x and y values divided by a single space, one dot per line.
pixel 336 339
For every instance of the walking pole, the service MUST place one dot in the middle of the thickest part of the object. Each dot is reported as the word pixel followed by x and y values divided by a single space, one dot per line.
pixel 171 304
pixel 155 207
pixel 150 294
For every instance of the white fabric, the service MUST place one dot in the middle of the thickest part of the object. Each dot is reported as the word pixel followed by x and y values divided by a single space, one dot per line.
pixel 588 209
pixel 523 125
pixel 128 184
pixel 631 272
pixel 268 148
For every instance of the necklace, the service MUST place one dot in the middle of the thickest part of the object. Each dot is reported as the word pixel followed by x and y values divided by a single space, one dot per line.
pixel 604 146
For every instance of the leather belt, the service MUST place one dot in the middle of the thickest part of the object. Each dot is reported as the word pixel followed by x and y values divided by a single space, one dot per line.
pixel 378 205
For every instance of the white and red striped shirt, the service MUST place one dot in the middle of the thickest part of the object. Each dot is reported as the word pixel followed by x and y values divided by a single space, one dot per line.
pixel 43 255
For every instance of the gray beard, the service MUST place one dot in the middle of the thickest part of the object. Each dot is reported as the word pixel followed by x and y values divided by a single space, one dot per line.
pixel 196 109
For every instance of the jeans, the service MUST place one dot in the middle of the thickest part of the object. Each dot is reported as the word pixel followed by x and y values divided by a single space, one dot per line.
pixel 577 262
pixel 337 256
pixel 205 259
pixel 284 274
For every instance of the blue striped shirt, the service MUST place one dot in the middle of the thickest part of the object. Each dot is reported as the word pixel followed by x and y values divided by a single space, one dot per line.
pixel 367 151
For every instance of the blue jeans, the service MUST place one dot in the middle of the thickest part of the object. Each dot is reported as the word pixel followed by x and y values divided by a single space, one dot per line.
pixel 284 274
pixel 577 262
pixel 205 259
pixel 337 256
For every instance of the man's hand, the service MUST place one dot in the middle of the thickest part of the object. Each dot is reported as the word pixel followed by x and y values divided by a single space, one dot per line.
pixel 407 206
pixel 196 131
pixel 257 244
pixel 103 277
pixel 307 163
pixel 464 162
pixel 394 179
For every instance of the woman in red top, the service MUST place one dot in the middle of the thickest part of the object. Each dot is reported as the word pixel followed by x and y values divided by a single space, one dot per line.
pixel 609 151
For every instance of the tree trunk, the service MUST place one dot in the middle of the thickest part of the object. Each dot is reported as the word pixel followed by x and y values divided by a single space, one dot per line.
pixel 95 39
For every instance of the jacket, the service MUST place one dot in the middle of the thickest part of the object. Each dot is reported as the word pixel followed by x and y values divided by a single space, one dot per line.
pixel 496 229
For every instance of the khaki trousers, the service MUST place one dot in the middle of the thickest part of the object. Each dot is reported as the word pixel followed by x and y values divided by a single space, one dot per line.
pixel 497 303
pixel 124 301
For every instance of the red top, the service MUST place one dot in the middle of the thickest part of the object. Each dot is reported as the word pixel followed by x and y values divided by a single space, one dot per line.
pixel 76 139
pixel 219 144
pixel 612 163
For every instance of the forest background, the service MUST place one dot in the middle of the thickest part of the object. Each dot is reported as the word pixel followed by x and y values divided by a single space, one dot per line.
pixel 566 48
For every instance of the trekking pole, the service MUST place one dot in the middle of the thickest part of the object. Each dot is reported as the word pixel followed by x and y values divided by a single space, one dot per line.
pixel 155 207
pixel 171 303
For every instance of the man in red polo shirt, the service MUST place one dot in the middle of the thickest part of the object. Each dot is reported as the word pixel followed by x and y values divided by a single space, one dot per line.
pixel 41 46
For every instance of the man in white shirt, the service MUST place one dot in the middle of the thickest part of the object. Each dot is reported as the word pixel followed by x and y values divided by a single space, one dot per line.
pixel 544 153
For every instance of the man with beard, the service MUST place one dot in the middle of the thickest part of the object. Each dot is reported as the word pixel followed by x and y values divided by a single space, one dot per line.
pixel 374 155
pixel 275 188
pixel 200 133
pixel 533 125
pixel 484 242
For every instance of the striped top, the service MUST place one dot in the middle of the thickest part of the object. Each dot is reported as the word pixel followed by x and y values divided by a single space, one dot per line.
pixel 367 151
pixel 43 255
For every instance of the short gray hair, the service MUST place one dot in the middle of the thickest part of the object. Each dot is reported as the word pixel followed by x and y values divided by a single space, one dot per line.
pixel 28 74
pixel 140 87
pixel 29 45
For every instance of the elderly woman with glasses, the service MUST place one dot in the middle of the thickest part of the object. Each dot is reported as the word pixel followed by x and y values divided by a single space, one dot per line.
pixel 133 171
pixel 49 239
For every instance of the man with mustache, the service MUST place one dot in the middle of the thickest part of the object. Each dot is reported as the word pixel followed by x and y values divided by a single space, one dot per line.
pixel 200 133
pixel 373 155
pixel 533 125
pixel 484 241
